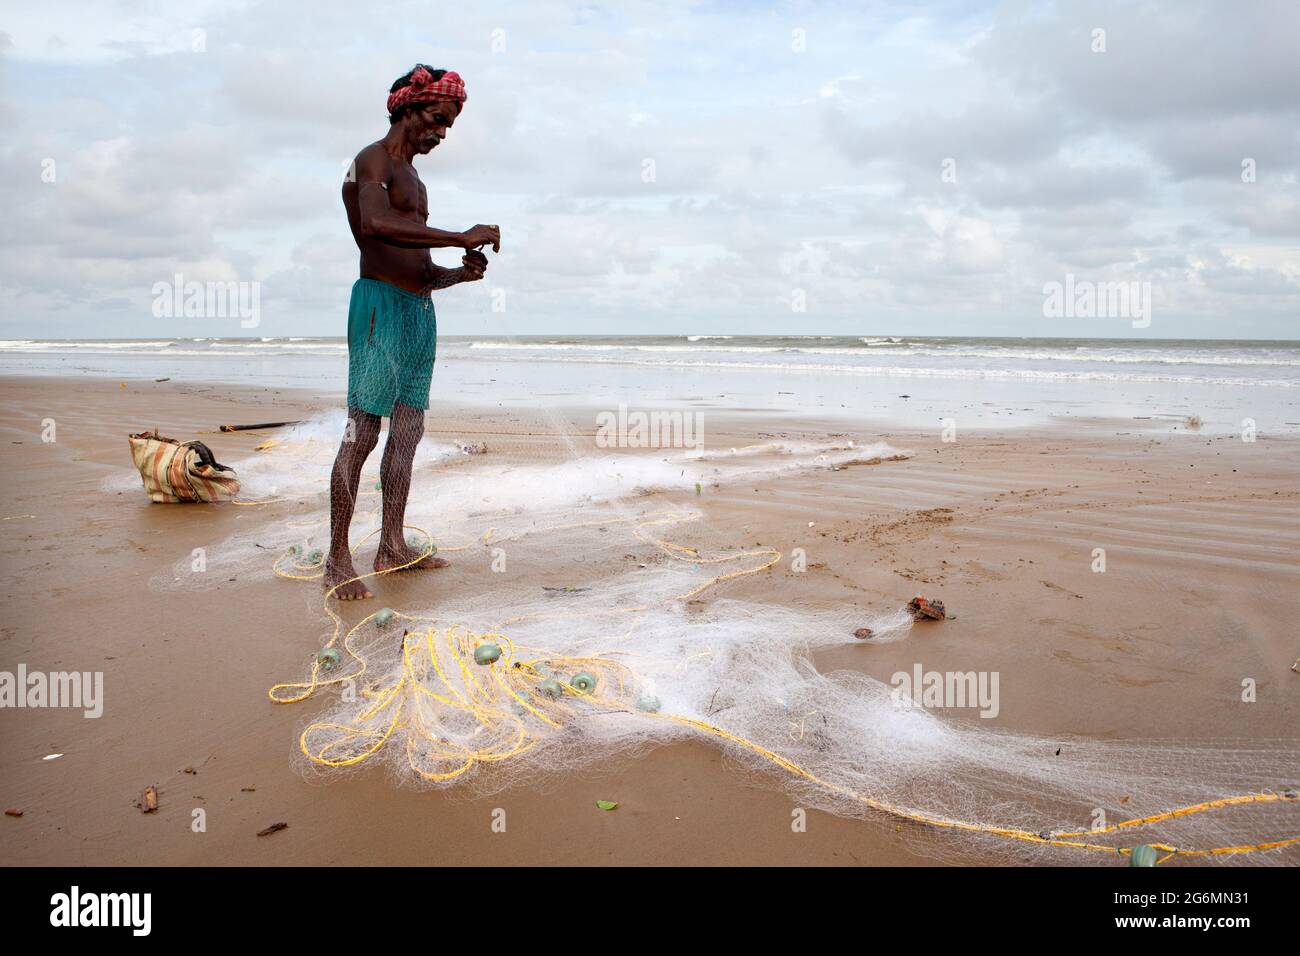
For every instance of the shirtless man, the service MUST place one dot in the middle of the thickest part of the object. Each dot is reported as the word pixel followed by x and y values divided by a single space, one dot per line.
pixel 392 333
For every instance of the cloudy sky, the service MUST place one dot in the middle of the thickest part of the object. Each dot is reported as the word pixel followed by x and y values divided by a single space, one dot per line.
pixel 797 149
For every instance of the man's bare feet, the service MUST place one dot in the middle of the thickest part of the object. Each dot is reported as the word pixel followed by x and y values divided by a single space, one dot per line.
pixel 340 570
pixel 388 558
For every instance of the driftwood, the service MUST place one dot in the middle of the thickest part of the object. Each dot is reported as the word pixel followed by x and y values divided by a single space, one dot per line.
pixel 245 428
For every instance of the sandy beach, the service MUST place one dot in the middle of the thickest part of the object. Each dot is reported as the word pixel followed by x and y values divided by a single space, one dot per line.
pixel 1199 594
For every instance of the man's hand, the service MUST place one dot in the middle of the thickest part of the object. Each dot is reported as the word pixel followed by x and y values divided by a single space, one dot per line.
pixel 473 265
pixel 480 236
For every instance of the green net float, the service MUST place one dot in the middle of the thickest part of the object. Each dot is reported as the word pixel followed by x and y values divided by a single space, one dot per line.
pixel 550 689
pixel 383 616
pixel 649 703
pixel 329 658
pixel 1142 855
pixel 316 557
pixel 583 682
pixel 488 653
pixel 421 545
pixel 294 549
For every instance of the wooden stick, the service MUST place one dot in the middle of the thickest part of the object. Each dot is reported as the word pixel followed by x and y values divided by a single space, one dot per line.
pixel 244 428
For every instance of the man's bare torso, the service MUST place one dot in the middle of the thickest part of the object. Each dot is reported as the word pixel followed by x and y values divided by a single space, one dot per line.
pixel 406 268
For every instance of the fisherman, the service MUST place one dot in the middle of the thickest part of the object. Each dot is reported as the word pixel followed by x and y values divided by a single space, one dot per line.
pixel 392 334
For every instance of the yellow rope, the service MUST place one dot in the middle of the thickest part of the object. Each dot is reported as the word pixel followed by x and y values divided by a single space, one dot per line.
pixel 430 673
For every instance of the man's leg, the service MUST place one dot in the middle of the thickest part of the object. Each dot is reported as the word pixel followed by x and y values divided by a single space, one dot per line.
pixel 405 429
pixel 358 443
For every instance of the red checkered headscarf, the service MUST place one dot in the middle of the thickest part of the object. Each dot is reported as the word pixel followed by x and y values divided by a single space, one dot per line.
pixel 423 88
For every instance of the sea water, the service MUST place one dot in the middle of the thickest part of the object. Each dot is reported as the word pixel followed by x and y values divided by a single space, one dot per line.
pixel 904 381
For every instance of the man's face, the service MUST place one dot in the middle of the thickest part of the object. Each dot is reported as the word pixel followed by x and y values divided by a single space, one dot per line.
pixel 428 123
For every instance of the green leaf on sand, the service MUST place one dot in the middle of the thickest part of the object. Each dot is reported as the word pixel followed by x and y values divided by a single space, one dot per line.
pixel 606 804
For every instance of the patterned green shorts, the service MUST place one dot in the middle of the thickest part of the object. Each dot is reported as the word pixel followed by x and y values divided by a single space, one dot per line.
pixel 392 339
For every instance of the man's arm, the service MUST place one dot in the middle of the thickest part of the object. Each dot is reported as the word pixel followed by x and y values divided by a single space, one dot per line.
pixel 440 278
pixel 474 264
pixel 377 219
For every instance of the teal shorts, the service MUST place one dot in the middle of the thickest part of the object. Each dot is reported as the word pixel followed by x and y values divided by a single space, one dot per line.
pixel 392 339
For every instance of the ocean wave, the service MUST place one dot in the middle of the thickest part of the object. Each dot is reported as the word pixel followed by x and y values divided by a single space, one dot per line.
pixel 266 348
pixel 868 355
pixel 905 371
pixel 33 345
pixel 1149 357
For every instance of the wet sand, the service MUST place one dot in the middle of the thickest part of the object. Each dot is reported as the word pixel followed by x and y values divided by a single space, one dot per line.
pixel 1201 535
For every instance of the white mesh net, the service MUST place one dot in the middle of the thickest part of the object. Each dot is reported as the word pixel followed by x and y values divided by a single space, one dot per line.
pixel 592 610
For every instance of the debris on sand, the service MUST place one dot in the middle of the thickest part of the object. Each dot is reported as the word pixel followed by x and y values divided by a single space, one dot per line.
pixel 12 812
pixel 873 460
pixel 923 610
pixel 864 633
pixel 149 799
pixel 273 828
pixel 473 447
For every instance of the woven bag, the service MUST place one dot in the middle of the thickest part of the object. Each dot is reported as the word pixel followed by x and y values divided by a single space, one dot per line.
pixel 175 471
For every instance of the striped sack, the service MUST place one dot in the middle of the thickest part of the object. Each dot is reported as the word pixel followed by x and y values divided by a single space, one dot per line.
pixel 180 471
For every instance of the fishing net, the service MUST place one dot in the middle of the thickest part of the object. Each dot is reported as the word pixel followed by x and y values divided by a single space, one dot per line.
pixel 603 602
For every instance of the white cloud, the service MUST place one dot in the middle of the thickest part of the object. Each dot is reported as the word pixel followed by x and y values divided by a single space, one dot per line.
pixel 775 169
